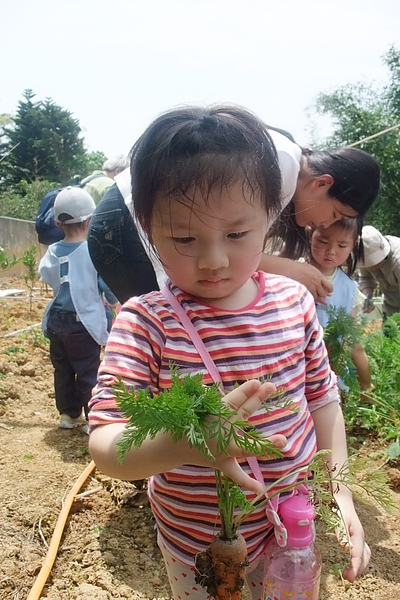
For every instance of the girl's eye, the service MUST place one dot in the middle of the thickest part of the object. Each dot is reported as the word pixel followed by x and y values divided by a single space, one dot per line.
pixel 237 235
pixel 183 240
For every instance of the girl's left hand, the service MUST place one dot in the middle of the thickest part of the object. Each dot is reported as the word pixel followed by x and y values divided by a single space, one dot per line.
pixel 360 552
pixel 244 400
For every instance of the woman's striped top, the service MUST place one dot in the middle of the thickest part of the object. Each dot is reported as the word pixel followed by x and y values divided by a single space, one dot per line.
pixel 277 336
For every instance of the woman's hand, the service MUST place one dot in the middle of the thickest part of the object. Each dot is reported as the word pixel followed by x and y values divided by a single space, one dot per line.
pixel 313 280
pixel 302 272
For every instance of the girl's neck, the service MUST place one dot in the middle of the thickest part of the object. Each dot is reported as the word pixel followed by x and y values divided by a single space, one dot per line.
pixel 243 297
pixel 325 272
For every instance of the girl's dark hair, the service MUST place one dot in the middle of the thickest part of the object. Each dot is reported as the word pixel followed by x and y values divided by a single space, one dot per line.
pixel 355 227
pixel 356 176
pixel 206 148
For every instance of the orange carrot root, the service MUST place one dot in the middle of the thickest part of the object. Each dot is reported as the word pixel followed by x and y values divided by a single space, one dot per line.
pixel 222 568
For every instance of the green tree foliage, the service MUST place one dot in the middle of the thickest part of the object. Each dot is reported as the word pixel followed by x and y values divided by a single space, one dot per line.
pixel 358 111
pixel 43 142
pixel 22 201
pixel 40 149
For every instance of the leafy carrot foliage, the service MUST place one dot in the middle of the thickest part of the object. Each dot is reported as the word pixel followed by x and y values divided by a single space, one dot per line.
pixel 188 409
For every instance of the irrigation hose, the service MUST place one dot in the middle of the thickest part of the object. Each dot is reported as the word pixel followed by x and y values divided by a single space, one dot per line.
pixel 51 555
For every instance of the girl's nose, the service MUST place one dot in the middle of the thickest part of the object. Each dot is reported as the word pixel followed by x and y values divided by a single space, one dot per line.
pixel 212 257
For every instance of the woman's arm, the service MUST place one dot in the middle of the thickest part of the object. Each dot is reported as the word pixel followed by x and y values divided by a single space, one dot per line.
pixel 304 273
pixel 330 431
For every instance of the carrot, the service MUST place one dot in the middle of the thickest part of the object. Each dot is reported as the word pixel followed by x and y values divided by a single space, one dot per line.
pixel 221 569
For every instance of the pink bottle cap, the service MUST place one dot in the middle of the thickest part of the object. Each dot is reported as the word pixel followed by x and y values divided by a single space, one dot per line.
pixel 298 515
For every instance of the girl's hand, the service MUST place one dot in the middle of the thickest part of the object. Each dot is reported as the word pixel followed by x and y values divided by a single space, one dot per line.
pixel 244 400
pixel 360 553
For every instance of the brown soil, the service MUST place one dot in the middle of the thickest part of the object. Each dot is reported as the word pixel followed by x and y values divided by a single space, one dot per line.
pixel 108 548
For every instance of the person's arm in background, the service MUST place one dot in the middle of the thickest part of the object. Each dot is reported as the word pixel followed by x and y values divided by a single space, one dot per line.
pixel 361 363
pixel 359 356
pixel 367 285
pixel 304 273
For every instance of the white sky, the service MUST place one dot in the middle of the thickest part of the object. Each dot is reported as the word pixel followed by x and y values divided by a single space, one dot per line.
pixel 117 64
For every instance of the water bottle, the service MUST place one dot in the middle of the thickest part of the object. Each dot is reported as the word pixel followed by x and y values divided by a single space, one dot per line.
pixel 294 571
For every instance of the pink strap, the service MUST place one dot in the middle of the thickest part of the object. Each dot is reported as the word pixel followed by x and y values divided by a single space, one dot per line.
pixel 196 339
pixel 272 505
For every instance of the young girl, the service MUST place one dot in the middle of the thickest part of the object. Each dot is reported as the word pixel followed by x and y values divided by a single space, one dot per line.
pixel 205 186
pixel 330 249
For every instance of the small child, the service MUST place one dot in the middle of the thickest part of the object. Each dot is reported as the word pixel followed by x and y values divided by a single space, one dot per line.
pixel 330 249
pixel 75 320
pixel 205 185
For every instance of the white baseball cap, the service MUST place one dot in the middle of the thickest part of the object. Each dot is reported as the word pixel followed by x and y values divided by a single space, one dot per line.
pixel 376 247
pixel 73 205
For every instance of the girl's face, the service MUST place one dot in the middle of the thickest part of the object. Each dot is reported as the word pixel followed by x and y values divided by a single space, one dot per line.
pixel 314 208
pixel 211 249
pixel 331 247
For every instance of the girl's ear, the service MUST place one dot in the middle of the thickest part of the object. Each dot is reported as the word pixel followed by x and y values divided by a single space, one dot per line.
pixel 323 180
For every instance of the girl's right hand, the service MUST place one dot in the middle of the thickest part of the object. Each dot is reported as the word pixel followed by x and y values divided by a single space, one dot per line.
pixel 244 400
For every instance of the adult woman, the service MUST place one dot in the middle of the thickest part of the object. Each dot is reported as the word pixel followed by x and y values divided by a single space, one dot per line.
pixel 318 188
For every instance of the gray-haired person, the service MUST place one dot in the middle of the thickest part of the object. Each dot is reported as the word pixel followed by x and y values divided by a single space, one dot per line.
pixel 98 182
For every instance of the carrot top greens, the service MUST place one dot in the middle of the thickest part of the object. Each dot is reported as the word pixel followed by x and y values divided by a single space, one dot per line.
pixel 192 410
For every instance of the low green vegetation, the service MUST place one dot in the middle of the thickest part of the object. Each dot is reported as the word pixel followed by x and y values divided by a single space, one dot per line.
pixel 5 261
pixel 379 411
pixel 31 276
pixel 376 412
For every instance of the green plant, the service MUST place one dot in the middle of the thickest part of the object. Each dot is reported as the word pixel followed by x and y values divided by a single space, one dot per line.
pixel 340 336
pixel 30 262
pixel 38 339
pixel 5 261
pixel 381 414
pixel 11 350
pixel 189 409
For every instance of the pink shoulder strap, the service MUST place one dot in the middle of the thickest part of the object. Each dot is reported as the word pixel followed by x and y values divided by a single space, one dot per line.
pixel 272 506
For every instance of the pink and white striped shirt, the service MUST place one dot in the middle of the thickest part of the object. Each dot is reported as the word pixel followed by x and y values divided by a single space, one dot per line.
pixel 277 336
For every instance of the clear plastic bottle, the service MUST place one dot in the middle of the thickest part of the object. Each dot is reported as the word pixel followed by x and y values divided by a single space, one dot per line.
pixel 294 572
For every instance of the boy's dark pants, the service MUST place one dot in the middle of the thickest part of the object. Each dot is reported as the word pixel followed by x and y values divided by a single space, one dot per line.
pixel 75 357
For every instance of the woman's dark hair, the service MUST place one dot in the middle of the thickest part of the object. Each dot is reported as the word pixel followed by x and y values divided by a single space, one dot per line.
pixel 354 226
pixel 356 176
pixel 207 148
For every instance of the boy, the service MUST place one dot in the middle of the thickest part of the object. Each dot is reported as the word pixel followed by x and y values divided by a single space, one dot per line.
pixel 75 319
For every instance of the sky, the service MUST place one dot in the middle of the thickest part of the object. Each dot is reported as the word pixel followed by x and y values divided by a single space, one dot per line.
pixel 117 64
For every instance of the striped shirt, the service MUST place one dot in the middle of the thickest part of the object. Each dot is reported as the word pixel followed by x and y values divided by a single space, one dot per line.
pixel 277 336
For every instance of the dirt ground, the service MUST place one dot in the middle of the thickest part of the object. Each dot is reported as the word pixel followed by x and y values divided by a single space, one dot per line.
pixel 108 547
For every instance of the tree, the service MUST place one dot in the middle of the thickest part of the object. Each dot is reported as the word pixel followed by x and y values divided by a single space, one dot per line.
pixel 359 111
pixel 45 142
